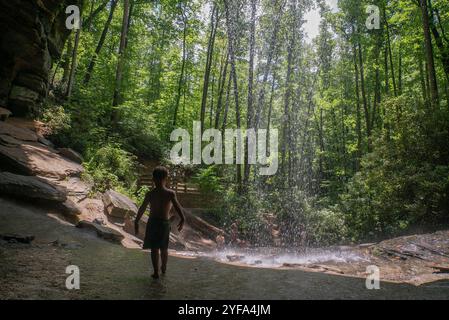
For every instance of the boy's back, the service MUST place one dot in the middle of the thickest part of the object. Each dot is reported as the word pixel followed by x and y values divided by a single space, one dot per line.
pixel 161 202
pixel 157 235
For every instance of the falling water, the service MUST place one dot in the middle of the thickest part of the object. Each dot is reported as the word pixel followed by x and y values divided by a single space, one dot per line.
pixel 269 257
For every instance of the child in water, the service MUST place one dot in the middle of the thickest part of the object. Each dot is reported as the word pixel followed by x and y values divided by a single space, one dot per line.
pixel 161 200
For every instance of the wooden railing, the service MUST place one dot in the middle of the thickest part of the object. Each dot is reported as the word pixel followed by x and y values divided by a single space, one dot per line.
pixel 189 193
pixel 184 187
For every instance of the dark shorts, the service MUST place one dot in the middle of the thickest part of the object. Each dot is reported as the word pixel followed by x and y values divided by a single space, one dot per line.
pixel 157 235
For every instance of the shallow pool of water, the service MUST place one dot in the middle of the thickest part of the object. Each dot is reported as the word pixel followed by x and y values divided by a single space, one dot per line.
pixel 278 257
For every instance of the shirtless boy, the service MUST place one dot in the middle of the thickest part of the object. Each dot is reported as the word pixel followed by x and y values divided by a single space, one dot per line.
pixel 161 199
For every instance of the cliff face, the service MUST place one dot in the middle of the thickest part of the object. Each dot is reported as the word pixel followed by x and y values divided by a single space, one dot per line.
pixel 32 36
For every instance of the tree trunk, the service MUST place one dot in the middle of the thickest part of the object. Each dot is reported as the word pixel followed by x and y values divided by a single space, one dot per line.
pixel 443 49
pixel 74 65
pixel 422 79
pixel 365 103
pixel 400 72
pixel 387 79
pixel 390 53
pixel 270 109
pixel 88 21
pixel 287 96
pixel 377 89
pixel 210 52
pixel 429 54
pixel 267 68
pixel 227 101
pixel 183 66
pixel 66 63
pixel 221 90
pixel 93 60
pixel 231 33
pixel 121 57
pixel 358 111
pixel 128 27
pixel 250 110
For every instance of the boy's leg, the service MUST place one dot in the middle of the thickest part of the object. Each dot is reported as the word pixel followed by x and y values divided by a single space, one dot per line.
pixel 164 258
pixel 155 261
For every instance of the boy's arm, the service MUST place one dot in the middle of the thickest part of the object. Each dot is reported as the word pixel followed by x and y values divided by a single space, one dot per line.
pixel 141 211
pixel 179 210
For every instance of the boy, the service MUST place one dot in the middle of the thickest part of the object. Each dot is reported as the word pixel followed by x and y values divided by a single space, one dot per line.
pixel 161 200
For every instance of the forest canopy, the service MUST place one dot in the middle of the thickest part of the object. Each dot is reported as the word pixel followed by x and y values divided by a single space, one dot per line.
pixel 362 113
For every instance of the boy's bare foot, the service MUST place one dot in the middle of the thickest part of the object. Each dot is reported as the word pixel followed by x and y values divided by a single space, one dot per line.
pixel 164 270
pixel 155 276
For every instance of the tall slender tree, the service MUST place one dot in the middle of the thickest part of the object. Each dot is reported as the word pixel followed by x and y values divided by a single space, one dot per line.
pixel 100 44
pixel 121 60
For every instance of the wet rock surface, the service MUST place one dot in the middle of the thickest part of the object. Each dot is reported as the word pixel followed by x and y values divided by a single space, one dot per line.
pixel 102 231
pixel 12 238
pixel 29 187
pixel 118 205
pixel 108 271
pixel 38 172
pixel 71 155
pixel 21 151
pixel 416 259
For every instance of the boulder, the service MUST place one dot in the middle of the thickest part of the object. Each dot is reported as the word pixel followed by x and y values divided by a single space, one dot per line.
pixel 33 36
pixel 71 155
pixel 4 114
pixel 118 205
pixel 17 132
pixel 70 208
pixel 30 187
pixel 201 226
pixel 75 186
pixel 102 231
pixel 37 127
pixel 23 96
pixel 129 226
pixel 33 158
pixel 92 208
pixel 45 142
pixel 8 140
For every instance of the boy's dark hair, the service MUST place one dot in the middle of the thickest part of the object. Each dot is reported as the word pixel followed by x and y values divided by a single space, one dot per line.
pixel 160 173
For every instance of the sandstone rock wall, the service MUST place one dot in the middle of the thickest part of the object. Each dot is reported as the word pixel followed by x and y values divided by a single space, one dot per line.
pixel 32 37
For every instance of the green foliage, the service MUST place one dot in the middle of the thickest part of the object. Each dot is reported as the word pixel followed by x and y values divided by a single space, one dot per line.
pixel 363 154
pixel 56 119
pixel 111 167
pixel 326 226
pixel 404 181
pixel 140 194
pixel 244 209
pixel 208 180
pixel 138 131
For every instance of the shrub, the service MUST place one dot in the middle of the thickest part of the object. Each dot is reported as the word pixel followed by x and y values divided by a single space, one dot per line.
pixel 208 180
pixel 112 167
pixel 404 181
pixel 138 132
pixel 56 119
